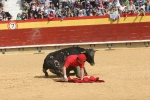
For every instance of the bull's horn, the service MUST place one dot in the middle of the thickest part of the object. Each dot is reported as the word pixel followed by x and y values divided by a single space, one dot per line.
pixel 95 50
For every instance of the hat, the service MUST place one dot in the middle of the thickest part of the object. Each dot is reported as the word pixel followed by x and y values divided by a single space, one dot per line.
pixel 82 57
pixel 88 1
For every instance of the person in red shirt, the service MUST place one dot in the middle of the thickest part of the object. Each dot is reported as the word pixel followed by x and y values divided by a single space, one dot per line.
pixel 74 61
pixel 51 15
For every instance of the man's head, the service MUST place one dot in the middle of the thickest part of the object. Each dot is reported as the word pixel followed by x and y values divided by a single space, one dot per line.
pixel 81 58
pixel 89 53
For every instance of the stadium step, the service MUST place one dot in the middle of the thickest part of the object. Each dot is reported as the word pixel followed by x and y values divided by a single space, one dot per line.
pixel 13 7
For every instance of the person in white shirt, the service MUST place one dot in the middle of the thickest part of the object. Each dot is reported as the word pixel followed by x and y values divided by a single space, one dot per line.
pixel 80 14
pixel 122 8
pixel 131 8
pixel 141 9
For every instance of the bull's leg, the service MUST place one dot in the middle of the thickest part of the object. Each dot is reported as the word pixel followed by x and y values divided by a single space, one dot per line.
pixel 58 73
pixel 85 72
pixel 46 74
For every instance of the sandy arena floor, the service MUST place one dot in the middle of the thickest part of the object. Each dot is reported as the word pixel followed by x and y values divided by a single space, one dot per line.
pixel 126 73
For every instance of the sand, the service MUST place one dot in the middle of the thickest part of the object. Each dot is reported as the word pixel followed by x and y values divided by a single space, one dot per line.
pixel 126 73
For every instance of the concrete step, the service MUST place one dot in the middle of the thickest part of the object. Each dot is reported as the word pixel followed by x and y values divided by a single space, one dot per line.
pixel 13 7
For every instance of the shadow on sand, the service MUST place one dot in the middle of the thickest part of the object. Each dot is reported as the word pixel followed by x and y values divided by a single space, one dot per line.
pixel 52 77
pixel 49 76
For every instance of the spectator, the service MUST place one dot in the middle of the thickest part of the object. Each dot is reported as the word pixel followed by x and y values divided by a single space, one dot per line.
pixel 38 2
pixel 101 8
pixel 1 5
pixel 47 11
pixel 9 17
pixel 92 2
pixel 33 10
pixel 106 11
pixel 63 14
pixel 98 12
pixel 78 7
pixel 64 3
pixel 122 8
pixel 140 1
pixel 131 8
pixel 51 15
pixel 97 3
pixel 31 16
pixel 52 7
pixel 40 14
pixel 80 14
pixel 24 16
pixel 70 14
pixel 105 3
pixel 117 3
pixel 58 13
pixel 42 1
pixel 47 3
pixel 148 6
pixel 126 2
pixel 72 4
pixel 114 10
pixel 18 17
pixel 75 10
pixel 5 18
pixel 28 1
pixel 141 9
pixel 25 6
pixel 88 7
pixel 91 12
pixel 33 2
pixel 1 11
pixel 56 3
pixel 114 14
pixel 3 14
pixel 125 12
pixel 1 17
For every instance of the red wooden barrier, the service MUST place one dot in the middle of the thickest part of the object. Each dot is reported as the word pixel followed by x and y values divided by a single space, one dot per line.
pixel 75 34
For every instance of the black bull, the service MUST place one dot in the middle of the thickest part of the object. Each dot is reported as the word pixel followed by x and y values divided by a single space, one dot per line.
pixel 55 61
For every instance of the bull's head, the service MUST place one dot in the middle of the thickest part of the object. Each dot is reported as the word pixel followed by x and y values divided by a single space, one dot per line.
pixel 89 53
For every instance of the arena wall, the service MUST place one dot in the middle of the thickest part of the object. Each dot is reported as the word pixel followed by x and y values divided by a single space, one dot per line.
pixel 95 32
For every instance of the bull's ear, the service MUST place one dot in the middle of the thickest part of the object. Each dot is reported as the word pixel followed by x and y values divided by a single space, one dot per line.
pixel 83 52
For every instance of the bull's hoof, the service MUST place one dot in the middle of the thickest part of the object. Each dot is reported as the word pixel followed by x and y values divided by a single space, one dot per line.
pixel 85 74
pixel 46 74
pixel 59 74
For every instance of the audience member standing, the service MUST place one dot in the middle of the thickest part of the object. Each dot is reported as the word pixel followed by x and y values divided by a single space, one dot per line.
pixel 56 3
pixel 47 3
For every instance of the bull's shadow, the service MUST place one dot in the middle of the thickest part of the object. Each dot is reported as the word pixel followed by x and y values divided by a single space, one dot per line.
pixel 49 76
pixel 52 77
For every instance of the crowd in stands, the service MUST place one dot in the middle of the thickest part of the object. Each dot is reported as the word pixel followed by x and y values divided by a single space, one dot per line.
pixel 37 9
